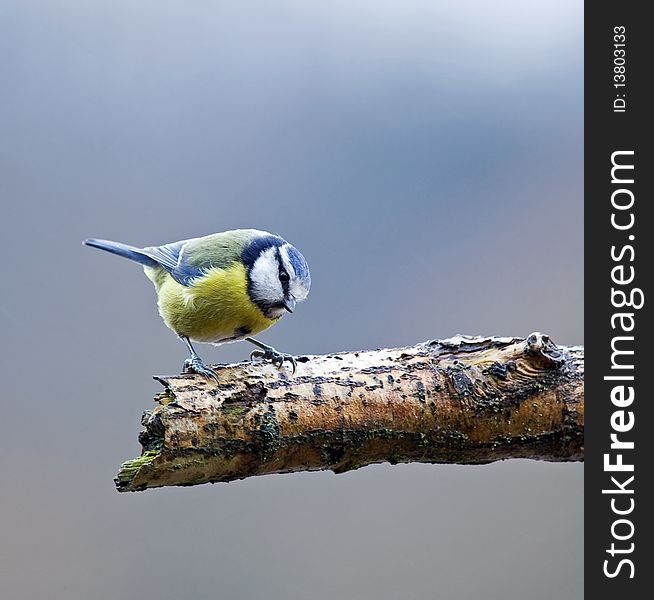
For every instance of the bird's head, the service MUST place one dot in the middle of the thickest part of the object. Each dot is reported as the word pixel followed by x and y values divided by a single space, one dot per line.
pixel 278 275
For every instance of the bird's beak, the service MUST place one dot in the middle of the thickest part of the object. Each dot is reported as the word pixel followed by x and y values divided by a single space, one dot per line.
pixel 289 304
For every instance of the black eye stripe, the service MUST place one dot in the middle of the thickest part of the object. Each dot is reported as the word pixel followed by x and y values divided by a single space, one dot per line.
pixel 284 277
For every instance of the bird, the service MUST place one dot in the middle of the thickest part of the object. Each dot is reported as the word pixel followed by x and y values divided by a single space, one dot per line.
pixel 222 287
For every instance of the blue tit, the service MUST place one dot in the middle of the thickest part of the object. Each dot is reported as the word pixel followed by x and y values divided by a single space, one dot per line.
pixel 222 287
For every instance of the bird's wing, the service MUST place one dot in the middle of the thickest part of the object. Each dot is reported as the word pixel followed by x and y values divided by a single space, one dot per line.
pixel 172 258
pixel 189 259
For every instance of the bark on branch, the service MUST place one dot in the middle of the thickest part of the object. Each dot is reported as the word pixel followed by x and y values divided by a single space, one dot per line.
pixel 461 400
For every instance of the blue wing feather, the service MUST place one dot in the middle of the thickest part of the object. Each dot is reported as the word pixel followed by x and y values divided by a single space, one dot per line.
pixel 173 258
pixel 188 259
pixel 170 257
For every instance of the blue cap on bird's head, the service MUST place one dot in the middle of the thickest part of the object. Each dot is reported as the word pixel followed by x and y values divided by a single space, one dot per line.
pixel 278 275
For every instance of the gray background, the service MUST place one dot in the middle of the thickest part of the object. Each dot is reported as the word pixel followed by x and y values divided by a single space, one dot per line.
pixel 427 159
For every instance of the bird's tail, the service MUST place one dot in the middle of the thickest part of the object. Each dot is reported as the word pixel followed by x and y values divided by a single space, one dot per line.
pixel 135 254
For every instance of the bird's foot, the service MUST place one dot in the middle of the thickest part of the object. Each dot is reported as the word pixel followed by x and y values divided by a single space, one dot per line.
pixel 194 364
pixel 277 358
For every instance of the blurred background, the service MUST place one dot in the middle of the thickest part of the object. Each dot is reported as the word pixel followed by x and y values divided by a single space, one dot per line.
pixel 426 157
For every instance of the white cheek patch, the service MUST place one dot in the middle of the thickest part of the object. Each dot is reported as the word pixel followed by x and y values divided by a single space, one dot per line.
pixel 265 278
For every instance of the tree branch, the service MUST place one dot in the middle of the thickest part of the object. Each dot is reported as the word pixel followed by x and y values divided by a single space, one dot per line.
pixel 461 400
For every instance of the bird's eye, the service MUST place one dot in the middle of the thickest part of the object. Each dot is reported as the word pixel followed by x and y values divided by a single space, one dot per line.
pixel 284 276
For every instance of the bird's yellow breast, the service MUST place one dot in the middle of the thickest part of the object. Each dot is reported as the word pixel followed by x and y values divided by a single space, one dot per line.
pixel 216 307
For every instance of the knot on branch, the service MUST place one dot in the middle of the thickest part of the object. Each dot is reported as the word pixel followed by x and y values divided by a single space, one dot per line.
pixel 540 344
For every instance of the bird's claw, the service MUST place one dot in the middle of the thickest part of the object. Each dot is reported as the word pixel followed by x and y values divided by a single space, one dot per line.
pixel 277 358
pixel 195 365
